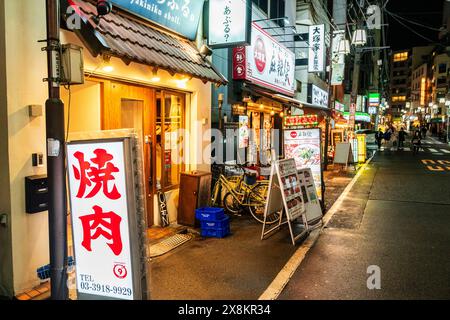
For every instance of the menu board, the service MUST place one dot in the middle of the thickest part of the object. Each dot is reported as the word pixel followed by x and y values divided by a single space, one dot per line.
pixel 290 186
pixel 312 204
pixel 244 132
pixel 304 146
pixel 286 191
pixel 337 137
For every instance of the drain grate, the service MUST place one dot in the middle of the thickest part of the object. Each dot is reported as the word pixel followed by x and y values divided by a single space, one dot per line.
pixel 168 244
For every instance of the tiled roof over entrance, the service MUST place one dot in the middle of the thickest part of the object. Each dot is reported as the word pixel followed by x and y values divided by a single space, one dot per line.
pixel 134 41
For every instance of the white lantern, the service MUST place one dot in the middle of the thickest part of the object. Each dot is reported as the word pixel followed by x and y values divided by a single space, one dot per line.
pixel 344 46
pixel 359 37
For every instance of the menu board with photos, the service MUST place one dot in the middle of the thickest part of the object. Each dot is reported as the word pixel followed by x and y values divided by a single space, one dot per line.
pixel 285 192
pixel 290 186
pixel 305 146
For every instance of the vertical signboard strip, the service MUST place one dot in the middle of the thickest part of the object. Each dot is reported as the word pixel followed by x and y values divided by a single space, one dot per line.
pixel 316 58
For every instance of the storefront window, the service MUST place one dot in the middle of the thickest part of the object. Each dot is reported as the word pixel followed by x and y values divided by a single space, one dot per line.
pixel 169 138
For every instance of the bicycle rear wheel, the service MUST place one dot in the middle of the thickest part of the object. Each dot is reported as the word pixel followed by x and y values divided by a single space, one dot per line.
pixel 231 204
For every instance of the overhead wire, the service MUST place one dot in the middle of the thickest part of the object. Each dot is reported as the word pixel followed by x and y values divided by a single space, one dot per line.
pixel 413 22
pixel 412 30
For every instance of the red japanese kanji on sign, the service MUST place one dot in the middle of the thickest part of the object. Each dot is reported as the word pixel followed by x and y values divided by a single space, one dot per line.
pixel 98 172
pixel 97 224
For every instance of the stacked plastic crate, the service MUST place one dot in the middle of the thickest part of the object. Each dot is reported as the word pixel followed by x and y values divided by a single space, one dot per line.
pixel 213 222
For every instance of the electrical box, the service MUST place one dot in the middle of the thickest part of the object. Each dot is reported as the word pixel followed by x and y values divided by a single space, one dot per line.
pixel 38 159
pixel 36 194
pixel 72 65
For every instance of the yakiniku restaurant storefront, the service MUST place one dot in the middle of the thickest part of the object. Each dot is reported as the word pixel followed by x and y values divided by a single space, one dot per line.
pixel 138 74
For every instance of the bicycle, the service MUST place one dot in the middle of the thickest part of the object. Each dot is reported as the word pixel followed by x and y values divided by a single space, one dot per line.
pixel 239 194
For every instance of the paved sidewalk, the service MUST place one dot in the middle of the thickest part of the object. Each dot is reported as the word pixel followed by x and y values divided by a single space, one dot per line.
pixel 239 267
pixel 396 217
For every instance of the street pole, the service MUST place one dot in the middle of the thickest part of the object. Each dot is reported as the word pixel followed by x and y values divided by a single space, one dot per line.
pixel 354 95
pixel 56 171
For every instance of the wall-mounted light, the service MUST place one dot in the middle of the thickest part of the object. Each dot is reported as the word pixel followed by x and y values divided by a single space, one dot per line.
pixel 107 67
pixel 261 107
pixel 182 82
pixel 155 77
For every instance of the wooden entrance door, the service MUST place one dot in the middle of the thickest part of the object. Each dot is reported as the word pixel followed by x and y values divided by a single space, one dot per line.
pixel 126 106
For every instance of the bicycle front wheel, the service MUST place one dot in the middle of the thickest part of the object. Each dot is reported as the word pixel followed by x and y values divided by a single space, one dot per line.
pixel 257 204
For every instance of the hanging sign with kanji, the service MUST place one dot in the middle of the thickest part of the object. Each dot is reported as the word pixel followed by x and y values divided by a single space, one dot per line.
pixel 100 219
pixel 316 58
pixel 266 62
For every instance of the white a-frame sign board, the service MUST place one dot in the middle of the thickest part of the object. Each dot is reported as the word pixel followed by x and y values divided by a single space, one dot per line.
pixel 343 154
pixel 285 193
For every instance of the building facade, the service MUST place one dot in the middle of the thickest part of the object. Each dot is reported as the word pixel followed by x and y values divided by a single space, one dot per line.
pixel 138 74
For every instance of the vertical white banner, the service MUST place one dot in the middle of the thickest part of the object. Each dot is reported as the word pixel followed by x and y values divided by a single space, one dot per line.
pixel 316 59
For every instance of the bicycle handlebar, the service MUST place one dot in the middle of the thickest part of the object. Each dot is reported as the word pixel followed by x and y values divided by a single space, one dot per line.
pixel 240 166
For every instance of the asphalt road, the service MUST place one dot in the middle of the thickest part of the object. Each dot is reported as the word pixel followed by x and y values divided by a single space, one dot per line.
pixel 396 217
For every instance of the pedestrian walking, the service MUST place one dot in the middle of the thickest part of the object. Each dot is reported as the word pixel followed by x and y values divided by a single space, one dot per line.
pixel 379 137
pixel 401 139
pixel 416 141
pixel 387 138
pixel 424 131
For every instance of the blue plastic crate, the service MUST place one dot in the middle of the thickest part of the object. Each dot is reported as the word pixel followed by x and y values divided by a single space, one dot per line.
pixel 217 224
pixel 209 214
pixel 44 272
pixel 216 233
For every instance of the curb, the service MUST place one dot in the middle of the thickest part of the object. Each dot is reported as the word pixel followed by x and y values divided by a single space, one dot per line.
pixel 277 286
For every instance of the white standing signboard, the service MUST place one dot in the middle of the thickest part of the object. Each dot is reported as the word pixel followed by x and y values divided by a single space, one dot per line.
pixel 343 154
pixel 285 192
pixel 103 210
pixel 310 198
pixel 304 146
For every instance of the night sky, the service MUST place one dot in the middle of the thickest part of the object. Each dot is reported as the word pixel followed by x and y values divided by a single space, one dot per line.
pixel 427 12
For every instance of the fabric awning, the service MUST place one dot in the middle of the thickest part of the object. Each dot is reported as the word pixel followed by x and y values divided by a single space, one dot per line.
pixel 135 40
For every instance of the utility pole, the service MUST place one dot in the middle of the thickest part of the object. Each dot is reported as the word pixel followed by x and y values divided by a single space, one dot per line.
pixel 56 171
pixel 354 94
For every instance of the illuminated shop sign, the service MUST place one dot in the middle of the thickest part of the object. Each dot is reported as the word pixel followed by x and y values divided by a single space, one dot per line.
pixel 307 120
pixel 339 106
pixel 360 116
pixel 374 99
pixel 265 62
pixel 180 16
pixel 319 97
pixel 229 23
